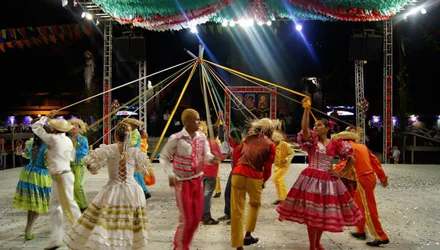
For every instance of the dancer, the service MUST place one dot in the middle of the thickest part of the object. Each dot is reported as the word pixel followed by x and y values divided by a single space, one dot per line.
pixel 136 142
pixel 318 198
pixel 283 159
pixel 144 141
pixel 253 169
pixel 81 145
pixel 117 216
pixel 367 166
pixel 218 186
pixel 188 149
pixel 34 186
pixel 60 153
pixel 210 172
pixel 236 144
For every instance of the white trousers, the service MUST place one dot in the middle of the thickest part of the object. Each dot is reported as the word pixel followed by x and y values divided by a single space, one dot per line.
pixel 62 200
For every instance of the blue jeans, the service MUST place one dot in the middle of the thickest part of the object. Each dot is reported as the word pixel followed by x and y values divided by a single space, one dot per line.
pixel 208 190
pixel 228 196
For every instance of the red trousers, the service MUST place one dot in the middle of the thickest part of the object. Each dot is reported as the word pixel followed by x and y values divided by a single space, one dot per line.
pixel 364 199
pixel 189 199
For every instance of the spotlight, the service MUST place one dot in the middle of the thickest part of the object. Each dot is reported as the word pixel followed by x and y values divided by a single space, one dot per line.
pixel 89 16
pixel 423 11
pixel 225 23
pixel 260 23
pixel 269 23
pixel 194 30
pixel 298 27
pixel 231 23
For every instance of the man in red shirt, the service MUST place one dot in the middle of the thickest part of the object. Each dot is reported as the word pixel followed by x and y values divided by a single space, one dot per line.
pixel 253 169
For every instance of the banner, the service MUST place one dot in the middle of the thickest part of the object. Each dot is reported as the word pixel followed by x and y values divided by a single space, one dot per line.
pixel 27 37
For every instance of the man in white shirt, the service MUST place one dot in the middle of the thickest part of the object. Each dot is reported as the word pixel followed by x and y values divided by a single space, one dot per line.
pixel 60 152
pixel 182 158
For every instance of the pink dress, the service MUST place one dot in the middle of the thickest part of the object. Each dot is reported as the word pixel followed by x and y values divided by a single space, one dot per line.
pixel 318 199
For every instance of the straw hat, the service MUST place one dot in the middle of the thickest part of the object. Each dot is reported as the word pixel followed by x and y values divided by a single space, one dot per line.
pixel 345 135
pixel 81 124
pixel 266 124
pixel 133 121
pixel 60 125
pixel 203 127
pixel 278 136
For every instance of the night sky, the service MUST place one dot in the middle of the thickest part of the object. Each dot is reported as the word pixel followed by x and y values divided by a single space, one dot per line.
pixel 57 68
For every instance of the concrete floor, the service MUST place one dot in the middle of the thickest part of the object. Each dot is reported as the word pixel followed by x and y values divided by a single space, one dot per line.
pixel 409 211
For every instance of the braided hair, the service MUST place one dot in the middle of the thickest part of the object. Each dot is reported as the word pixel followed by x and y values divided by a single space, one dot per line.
pixel 37 143
pixel 122 134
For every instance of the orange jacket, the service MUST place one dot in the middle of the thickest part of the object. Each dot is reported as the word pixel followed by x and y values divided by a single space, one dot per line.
pixel 366 162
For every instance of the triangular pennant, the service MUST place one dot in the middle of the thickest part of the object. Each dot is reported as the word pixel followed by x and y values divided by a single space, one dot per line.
pixel 62 37
pixel 3 34
pixel 9 45
pixel 12 33
pixel 55 29
pixel 53 38
pixel 220 28
pixel 43 30
pixel 203 28
pixel 172 32
pixel 19 44
pixel 211 27
pixel 36 41
pixel 22 31
pixel 30 28
pixel 45 40
pixel 27 43
pixel 2 47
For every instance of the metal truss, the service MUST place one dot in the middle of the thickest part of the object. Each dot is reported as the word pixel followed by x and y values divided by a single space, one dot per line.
pixel 360 94
pixel 107 81
pixel 143 87
pixel 387 88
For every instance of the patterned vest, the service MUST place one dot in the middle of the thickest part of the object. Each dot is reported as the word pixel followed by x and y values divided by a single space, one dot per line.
pixel 187 166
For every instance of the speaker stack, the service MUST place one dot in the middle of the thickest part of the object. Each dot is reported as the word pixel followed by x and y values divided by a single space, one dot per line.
pixel 365 47
pixel 131 48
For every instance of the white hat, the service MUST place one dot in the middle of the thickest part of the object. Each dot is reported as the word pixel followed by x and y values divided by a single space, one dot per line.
pixel 345 135
pixel 266 124
pixel 81 124
pixel 60 125
pixel 278 136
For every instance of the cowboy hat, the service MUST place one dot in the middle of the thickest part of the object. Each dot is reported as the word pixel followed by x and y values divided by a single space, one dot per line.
pixel 60 125
pixel 133 121
pixel 266 124
pixel 345 135
pixel 278 136
pixel 81 124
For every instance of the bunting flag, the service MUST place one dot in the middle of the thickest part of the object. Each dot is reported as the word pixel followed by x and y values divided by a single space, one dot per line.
pixel 27 37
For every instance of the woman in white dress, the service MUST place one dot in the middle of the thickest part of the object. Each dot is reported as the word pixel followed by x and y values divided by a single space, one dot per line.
pixel 117 217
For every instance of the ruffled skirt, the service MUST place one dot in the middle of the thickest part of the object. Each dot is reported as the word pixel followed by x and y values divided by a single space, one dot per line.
pixel 33 189
pixel 319 200
pixel 115 219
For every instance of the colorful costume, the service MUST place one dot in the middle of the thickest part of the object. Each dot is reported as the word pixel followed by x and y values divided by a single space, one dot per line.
pixel 367 165
pixel 117 216
pixel 136 142
pixel 218 186
pixel 318 199
pixel 60 153
pixel 283 152
pixel 34 185
pixel 210 173
pixel 188 155
pixel 253 169
pixel 82 149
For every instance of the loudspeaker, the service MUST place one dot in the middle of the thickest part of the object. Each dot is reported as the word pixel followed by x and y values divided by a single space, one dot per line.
pixel 365 47
pixel 138 48
pixel 122 48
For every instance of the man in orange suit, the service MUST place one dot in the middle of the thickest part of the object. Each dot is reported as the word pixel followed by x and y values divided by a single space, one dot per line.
pixel 367 166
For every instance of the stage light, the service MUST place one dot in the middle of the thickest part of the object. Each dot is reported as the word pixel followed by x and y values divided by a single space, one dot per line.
pixel 231 23
pixel 225 23
pixel 298 27
pixel 87 15
pixel 260 23
pixel 194 30
pixel 269 23
pixel 423 11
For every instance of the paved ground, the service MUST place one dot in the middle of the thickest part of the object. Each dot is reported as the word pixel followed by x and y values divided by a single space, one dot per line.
pixel 409 210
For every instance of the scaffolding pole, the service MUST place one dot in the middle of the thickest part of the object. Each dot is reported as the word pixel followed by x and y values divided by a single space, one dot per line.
pixel 360 94
pixel 143 94
pixel 387 120
pixel 107 82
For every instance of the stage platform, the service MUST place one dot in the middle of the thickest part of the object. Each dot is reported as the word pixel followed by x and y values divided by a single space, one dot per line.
pixel 409 211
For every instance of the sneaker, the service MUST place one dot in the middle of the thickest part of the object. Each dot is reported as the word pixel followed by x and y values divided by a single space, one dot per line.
pixel 249 241
pixel 210 221
pixel 217 195
pixel 224 217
